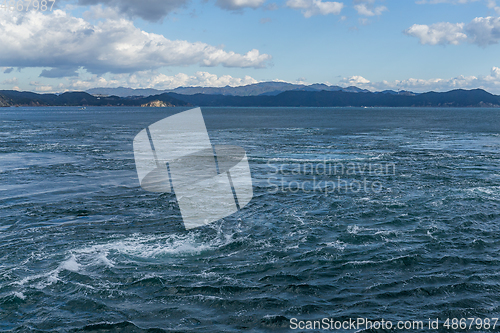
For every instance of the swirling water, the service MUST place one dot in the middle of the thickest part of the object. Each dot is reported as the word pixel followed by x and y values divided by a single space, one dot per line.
pixel 84 248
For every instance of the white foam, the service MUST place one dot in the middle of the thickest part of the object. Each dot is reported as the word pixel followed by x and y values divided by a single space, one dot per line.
pixel 52 276
pixel 103 259
pixel 337 245
pixel 134 247
pixel 149 246
pixel 491 190
pixel 71 264
pixel 19 295
pixel 353 229
pixel 47 279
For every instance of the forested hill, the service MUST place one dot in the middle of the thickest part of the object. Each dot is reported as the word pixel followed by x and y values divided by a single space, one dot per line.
pixel 17 98
pixel 454 98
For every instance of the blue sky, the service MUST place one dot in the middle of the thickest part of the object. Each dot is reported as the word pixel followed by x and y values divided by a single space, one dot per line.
pixel 374 44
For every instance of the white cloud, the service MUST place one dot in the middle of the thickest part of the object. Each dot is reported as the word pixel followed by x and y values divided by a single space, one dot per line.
pixel 368 10
pixel 59 40
pixel 484 30
pixel 10 81
pixel 239 4
pixel 489 83
pixel 438 33
pixel 153 79
pixel 481 31
pixel 160 81
pixel 492 4
pixel 40 87
pixel 199 79
pixel 353 81
pixel 316 7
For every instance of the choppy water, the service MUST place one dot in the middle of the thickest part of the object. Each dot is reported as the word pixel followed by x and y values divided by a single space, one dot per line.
pixel 84 248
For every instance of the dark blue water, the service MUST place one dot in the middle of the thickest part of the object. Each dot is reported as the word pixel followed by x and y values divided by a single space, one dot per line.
pixel 84 248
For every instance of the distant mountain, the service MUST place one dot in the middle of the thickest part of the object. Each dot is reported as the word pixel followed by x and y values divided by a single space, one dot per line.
pixel 454 98
pixel 291 98
pixel 18 98
pixel 124 92
pixel 263 88
pixel 248 90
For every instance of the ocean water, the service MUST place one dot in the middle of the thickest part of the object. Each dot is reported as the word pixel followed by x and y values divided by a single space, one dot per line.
pixel 84 248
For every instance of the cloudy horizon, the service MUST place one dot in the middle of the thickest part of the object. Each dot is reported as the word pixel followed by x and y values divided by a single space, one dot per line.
pixel 425 45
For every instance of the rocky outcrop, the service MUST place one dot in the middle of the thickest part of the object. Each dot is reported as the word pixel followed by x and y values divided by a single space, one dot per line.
pixel 157 104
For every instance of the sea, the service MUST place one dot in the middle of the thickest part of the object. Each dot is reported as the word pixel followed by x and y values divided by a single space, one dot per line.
pixel 358 215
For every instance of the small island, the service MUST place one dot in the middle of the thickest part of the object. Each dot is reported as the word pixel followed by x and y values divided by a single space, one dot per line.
pixel 157 104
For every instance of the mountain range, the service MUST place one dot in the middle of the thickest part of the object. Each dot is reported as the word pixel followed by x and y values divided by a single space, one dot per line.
pixel 260 95
pixel 262 88
pixel 79 98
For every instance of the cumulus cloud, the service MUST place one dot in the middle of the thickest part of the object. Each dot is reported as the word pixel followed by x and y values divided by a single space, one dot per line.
pixel 489 83
pixel 315 7
pixel 368 8
pixel 492 4
pixel 40 87
pixel 11 81
pixel 438 33
pixel 484 30
pixel 152 79
pixel 481 31
pixel 150 10
pixel 61 41
pixel 8 70
pixel 363 9
pixel 238 4
pixel 354 81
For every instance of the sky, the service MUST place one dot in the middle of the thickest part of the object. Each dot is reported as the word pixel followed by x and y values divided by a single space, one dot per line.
pixel 416 45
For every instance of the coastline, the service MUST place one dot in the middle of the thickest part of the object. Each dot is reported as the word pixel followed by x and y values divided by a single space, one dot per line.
pixel 454 98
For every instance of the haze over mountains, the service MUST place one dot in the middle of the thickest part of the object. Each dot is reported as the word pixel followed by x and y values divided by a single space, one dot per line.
pixel 276 94
pixel 263 88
